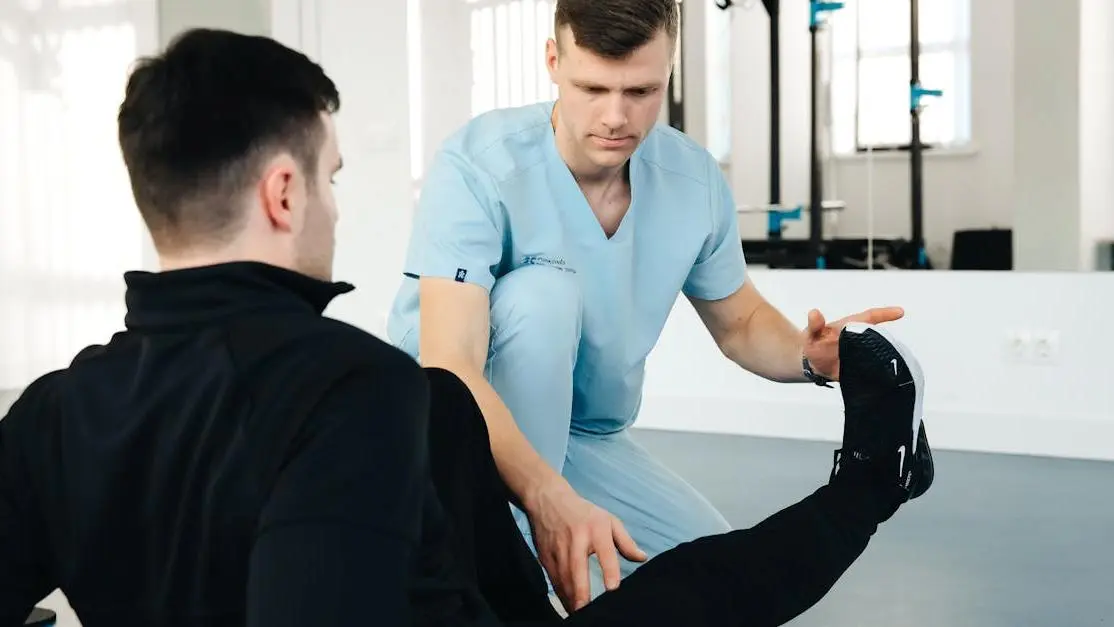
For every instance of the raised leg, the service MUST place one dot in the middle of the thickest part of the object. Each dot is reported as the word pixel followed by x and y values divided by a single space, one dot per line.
pixel 767 575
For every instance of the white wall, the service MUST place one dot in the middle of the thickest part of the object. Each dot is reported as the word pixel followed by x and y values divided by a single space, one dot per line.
pixel 1096 102
pixel 245 16
pixel 980 394
pixel 1046 180
pixel 375 193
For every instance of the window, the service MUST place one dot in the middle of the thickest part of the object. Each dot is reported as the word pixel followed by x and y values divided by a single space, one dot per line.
pixel 507 64
pixel 414 68
pixel 871 73
pixel 68 224
pixel 508 53
pixel 717 50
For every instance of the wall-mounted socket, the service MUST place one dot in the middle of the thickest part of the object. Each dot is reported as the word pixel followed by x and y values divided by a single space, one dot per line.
pixel 1037 347
pixel 1046 347
pixel 1018 346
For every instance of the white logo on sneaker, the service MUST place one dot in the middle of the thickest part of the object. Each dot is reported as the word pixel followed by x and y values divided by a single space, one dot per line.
pixel 894 362
pixel 901 465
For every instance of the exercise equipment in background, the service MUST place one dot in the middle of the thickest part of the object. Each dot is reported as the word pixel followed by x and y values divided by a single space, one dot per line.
pixel 1104 257
pixel 916 167
pixel 818 248
pixel 982 249
pixel 817 251
pixel 775 251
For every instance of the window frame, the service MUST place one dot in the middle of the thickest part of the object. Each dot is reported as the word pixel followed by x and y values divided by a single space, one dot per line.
pixel 959 47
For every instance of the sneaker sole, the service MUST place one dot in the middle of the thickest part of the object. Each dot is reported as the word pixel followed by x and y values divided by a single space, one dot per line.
pixel 914 370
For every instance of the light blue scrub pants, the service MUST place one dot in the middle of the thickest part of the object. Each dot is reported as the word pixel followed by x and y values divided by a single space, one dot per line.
pixel 535 332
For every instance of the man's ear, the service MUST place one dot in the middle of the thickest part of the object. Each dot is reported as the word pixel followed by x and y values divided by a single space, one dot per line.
pixel 280 190
pixel 552 56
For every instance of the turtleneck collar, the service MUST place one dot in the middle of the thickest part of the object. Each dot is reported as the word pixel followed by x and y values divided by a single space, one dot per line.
pixel 203 294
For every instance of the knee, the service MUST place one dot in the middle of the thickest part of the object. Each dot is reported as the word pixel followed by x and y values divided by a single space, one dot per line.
pixel 537 302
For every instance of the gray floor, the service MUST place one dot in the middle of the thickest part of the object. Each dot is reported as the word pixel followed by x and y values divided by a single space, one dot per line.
pixel 999 541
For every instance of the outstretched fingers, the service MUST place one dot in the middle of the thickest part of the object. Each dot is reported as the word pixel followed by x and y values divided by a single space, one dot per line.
pixel 876 315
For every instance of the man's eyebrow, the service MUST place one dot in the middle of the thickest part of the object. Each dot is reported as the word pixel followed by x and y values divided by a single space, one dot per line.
pixel 593 85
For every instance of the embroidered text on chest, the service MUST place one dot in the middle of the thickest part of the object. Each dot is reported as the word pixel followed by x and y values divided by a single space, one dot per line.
pixel 546 260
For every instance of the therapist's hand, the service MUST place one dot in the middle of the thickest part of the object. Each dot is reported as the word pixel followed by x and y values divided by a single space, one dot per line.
pixel 821 339
pixel 567 530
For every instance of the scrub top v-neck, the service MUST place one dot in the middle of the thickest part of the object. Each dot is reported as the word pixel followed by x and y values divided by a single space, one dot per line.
pixel 499 197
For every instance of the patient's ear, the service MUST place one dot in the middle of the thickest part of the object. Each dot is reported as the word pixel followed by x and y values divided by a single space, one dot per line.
pixel 282 193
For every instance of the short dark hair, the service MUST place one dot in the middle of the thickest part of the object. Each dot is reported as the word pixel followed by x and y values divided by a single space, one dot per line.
pixel 616 28
pixel 199 120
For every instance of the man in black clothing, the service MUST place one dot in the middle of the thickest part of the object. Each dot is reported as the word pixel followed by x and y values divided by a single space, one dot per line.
pixel 233 457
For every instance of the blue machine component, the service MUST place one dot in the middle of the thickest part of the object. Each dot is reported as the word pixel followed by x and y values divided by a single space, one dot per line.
pixel 774 218
pixel 817 8
pixel 916 92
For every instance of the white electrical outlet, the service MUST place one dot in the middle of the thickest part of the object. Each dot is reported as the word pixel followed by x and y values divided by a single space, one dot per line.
pixel 1040 347
pixel 1046 346
pixel 1018 345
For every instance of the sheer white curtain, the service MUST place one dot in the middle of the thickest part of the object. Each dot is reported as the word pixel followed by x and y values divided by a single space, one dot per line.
pixel 68 224
pixel 508 53
pixel 491 50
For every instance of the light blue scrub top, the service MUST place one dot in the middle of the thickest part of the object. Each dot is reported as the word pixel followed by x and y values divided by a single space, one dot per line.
pixel 498 196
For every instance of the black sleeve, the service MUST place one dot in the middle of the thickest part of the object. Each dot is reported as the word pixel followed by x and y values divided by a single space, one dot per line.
pixel 25 576
pixel 339 532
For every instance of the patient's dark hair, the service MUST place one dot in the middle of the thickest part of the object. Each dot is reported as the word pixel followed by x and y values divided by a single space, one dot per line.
pixel 615 28
pixel 199 121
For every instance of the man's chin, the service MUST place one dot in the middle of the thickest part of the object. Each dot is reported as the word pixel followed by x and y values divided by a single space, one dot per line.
pixel 610 158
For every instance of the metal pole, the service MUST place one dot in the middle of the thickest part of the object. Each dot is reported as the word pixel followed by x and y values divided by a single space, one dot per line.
pixel 676 107
pixel 773 229
pixel 815 199
pixel 816 181
pixel 775 103
pixel 915 155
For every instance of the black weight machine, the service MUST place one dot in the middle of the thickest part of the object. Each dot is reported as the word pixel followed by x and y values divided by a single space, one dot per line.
pixel 817 252
pixel 776 251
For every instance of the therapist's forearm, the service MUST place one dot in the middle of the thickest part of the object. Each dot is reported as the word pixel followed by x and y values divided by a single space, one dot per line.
pixel 768 345
pixel 521 467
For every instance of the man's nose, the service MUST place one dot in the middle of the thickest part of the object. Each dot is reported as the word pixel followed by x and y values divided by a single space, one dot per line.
pixel 615 113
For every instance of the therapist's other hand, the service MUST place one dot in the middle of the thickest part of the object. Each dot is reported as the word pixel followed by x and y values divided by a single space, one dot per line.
pixel 567 530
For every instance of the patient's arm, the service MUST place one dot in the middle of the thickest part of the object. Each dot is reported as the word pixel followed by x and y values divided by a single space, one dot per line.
pixel 25 576
pixel 340 529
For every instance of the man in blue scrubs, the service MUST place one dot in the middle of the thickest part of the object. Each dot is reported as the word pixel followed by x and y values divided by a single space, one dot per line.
pixel 550 245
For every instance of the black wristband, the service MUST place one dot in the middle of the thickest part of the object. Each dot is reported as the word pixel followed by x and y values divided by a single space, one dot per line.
pixel 811 375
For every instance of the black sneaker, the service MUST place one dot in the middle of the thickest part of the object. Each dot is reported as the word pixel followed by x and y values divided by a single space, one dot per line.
pixel 883 391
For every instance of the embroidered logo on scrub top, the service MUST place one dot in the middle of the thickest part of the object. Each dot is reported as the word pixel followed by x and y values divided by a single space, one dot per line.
pixel 460 274
pixel 545 260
